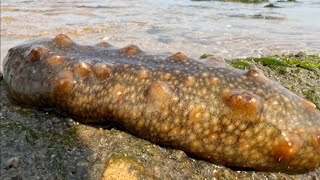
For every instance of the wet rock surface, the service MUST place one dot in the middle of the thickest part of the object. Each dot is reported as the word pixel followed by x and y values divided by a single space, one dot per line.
pixel 45 145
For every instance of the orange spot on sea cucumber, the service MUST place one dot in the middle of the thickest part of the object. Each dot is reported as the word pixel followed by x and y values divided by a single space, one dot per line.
pixel 119 92
pixel 190 81
pixel 196 114
pixel 143 74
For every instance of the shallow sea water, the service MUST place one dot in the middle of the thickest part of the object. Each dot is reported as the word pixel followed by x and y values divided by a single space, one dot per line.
pixel 230 30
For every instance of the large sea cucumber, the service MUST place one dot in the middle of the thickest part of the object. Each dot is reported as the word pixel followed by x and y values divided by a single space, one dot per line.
pixel 203 107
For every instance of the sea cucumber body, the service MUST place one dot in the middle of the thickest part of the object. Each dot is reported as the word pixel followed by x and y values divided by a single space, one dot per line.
pixel 203 107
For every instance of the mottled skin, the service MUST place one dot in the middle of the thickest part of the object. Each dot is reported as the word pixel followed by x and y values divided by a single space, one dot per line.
pixel 203 107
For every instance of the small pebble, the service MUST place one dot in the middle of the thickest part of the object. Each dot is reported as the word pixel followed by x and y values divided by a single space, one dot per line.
pixel 13 162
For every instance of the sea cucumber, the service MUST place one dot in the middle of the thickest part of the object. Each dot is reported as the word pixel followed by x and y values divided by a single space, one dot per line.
pixel 203 107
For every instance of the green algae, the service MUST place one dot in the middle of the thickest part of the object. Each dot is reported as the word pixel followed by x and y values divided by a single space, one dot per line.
pixel 240 64
pixel 205 56
pixel 309 62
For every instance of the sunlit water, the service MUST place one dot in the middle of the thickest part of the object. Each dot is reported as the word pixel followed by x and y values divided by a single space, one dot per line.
pixel 229 30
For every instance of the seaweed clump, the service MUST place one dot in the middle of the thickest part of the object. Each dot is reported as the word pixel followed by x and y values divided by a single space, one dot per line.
pixel 309 62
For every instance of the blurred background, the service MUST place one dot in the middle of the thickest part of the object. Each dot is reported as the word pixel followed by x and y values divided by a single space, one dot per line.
pixel 227 29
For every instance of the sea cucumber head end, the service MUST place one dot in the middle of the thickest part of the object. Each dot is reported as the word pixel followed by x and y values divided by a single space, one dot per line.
pixel 309 105
pixel 285 147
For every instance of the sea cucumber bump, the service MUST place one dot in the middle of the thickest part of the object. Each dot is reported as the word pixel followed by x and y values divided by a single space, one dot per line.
pixel 308 104
pixel 159 96
pixel 243 103
pixel 285 148
pixel 56 60
pixel 254 72
pixel 119 91
pixel 214 81
pixel 36 54
pixel 179 57
pixel 64 81
pixel 82 69
pixel 103 44
pixel 102 71
pixel 223 115
pixel 167 76
pixel 190 81
pixel 62 40
pixel 143 74
pixel 130 50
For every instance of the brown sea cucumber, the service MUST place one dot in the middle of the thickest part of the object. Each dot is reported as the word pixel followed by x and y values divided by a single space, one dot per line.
pixel 203 107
